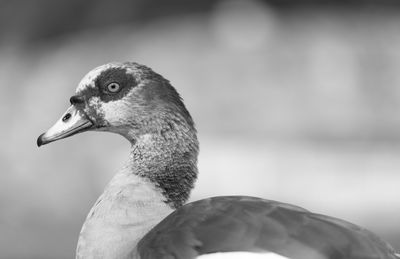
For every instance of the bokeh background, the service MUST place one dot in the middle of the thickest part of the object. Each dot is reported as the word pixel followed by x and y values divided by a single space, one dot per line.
pixel 294 100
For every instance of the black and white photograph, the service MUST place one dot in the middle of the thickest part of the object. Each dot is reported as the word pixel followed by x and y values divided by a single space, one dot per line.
pixel 213 129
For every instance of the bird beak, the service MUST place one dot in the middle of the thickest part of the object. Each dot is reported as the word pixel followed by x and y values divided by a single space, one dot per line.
pixel 72 122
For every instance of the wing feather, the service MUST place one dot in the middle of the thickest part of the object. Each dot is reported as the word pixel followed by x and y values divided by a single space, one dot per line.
pixel 237 223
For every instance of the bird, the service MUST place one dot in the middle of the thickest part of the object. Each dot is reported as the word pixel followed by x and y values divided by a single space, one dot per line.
pixel 144 211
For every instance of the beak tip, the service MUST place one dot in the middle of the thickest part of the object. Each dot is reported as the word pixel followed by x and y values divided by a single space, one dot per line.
pixel 40 140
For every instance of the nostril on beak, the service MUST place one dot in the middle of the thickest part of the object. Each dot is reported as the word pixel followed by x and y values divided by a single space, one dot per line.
pixel 66 117
pixel 76 99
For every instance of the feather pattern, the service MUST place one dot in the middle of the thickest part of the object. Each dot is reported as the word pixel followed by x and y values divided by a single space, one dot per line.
pixel 238 223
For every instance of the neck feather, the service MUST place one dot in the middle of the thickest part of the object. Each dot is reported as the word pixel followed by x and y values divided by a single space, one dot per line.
pixel 158 178
pixel 167 157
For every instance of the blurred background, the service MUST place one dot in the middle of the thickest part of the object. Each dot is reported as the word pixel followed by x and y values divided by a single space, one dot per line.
pixel 294 100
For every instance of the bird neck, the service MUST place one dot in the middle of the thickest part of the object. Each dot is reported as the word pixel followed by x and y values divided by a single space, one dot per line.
pixel 168 159
pixel 157 178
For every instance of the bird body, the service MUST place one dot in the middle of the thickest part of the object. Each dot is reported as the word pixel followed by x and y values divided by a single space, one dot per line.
pixel 240 223
pixel 129 207
pixel 142 212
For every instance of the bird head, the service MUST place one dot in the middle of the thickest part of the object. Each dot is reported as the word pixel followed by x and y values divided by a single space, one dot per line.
pixel 124 98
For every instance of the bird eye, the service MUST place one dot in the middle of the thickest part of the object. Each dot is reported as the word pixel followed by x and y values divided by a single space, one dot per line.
pixel 113 87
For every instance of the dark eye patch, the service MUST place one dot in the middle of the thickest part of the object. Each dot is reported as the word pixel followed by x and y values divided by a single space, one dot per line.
pixel 114 75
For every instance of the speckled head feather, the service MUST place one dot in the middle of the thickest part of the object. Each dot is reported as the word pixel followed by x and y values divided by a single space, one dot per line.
pixel 143 97
pixel 143 107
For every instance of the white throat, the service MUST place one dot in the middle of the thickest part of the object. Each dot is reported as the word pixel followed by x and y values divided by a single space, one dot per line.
pixel 128 208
